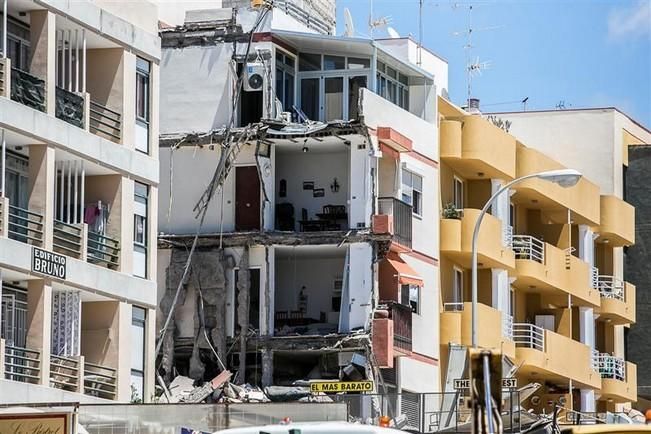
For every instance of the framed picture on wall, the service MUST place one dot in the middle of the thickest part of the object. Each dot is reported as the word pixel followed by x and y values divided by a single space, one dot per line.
pixel 318 192
pixel 308 185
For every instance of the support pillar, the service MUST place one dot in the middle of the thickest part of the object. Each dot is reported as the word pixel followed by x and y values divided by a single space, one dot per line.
pixel 39 322
pixel 150 355
pixel 41 188
pixel 267 367
pixel 43 52
pixel 123 353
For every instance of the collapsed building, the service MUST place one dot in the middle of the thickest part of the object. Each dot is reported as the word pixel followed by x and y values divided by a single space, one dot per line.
pixel 307 202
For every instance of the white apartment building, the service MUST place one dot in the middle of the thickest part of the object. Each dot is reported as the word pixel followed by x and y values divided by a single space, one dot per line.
pixel 78 200
pixel 322 243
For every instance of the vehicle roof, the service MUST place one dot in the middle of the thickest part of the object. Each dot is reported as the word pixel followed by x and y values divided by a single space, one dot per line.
pixel 312 428
pixel 607 428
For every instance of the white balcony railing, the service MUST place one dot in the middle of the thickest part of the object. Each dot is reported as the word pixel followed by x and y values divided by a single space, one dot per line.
pixel 507 326
pixel 595 360
pixel 611 367
pixel 507 235
pixel 529 336
pixel 594 277
pixel 528 247
pixel 611 287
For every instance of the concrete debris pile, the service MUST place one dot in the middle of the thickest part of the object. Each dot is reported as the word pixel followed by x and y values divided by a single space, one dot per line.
pixel 218 390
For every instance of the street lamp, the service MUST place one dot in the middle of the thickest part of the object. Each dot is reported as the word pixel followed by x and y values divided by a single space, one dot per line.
pixel 563 177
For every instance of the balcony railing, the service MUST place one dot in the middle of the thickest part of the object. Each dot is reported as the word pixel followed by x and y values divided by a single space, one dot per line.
pixel 528 247
pixel 100 381
pixel 402 214
pixel 67 239
pixel 69 107
pixel 64 373
pixel 507 326
pixel 401 316
pixel 610 367
pixel 611 287
pixel 3 75
pixel 529 336
pixel 594 277
pixel 27 89
pixel 103 250
pixel 25 226
pixel 507 235
pixel 22 364
pixel 105 122
pixel 456 306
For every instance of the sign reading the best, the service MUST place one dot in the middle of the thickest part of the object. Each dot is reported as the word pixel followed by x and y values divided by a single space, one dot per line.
pixel 341 386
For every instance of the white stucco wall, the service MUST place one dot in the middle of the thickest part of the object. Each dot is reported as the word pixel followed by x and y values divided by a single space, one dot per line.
pixel 417 376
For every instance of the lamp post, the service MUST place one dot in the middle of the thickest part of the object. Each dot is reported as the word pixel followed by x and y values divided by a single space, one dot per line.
pixel 563 177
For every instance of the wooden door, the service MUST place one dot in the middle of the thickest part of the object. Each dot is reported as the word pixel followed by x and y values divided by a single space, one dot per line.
pixel 247 198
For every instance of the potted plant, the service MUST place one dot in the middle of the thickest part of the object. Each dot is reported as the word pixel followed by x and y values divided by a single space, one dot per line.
pixel 450 211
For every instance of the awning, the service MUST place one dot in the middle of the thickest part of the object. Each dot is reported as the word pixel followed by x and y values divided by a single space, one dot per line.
pixel 406 274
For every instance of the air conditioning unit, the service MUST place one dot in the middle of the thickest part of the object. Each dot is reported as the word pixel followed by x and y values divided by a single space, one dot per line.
pixel 253 77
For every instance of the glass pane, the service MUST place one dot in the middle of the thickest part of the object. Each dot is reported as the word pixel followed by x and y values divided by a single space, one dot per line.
pixel 310 98
pixel 354 85
pixel 405 99
pixel 406 178
pixel 289 61
pixel 357 63
pixel 280 85
pixel 334 98
pixel 138 347
pixel 288 102
pixel 404 79
pixel 391 92
pixel 417 182
pixel 380 66
pixel 309 62
pixel 392 72
pixel 404 295
pixel 142 64
pixel 334 62
pixel 140 189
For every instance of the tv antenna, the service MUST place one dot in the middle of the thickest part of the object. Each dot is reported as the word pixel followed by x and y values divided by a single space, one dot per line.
pixel 561 105
pixel 349 25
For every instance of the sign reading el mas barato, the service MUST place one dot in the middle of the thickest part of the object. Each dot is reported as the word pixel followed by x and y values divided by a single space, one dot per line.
pixel 49 263
pixel 507 383
pixel 341 386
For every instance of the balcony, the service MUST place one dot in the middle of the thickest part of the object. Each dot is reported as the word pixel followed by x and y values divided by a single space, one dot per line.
pixel 20 224
pixel 402 330
pixel 399 220
pixel 20 364
pixel 69 107
pixel 617 225
pixel 27 89
pixel 583 199
pixel 543 355
pixel 543 268
pixel 102 250
pixel 492 248
pixel 4 62
pixel 474 146
pixel 100 381
pixel 456 327
pixel 617 300
pixel 392 332
pixel 618 377
pixel 68 239
pixel 105 122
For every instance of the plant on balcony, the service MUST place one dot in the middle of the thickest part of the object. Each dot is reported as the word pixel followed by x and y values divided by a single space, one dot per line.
pixel 450 211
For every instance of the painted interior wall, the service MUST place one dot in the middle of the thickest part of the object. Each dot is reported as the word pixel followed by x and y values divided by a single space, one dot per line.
pixel 316 274
pixel 105 72
pixel 321 168
pixel 107 189
pixel 99 332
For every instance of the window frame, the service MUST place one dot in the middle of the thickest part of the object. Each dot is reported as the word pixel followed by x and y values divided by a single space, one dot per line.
pixel 457 285
pixel 398 85
pixel 285 69
pixel 146 75
pixel 408 287
pixel 141 246
pixel 142 323
pixel 417 210
pixel 458 182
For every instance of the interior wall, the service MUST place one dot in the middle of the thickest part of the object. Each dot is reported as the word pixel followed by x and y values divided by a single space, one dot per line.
pixel 316 274
pixel 477 193
pixel 106 188
pixel 105 76
pixel 99 332
pixel 319 168
pixel 388 183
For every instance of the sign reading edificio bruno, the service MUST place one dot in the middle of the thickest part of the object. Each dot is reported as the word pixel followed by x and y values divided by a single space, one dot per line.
pixel 341 386
pixel 34 424
pixel 49 263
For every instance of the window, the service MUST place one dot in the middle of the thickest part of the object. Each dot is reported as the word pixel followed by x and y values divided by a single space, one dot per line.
pixel 458 193
pixel 285 80
pixel 412 191
pixel 393 85
pixel 457 288
pixel 138 318
pixel 142 105
pixel 309 62
pixel 410 296
pixel 334 62
pixel 140 241
pixel 357 63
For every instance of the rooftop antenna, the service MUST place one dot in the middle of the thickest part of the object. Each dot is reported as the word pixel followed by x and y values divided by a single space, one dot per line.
pixel 349 25
pixel 419 53
pixel 524 104
pixel 393 33
pixel 376 23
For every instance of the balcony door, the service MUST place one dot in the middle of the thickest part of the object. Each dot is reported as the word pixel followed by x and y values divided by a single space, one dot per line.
pixel 13 317
pixel 331 96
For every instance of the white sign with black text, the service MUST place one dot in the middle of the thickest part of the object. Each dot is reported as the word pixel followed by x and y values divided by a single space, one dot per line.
pixel 464 383
pixel 51 264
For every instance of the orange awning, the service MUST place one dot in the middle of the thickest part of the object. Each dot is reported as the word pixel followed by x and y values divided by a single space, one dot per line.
pixel 406 274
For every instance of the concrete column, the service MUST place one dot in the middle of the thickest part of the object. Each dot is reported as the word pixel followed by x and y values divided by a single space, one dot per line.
pixel 586 244
pixel 41 188
pixel 2 358
pixel 154 108
pixel 43 51
pixel 501 295
pixel 267 367
pixel 500 208
pixel 123 362
pixel 126 226
pixel 150 355
pixel 588 403
pixel 360 285
pixel 39 322
pixel 80 374
pixel 129 100
pixel 152 232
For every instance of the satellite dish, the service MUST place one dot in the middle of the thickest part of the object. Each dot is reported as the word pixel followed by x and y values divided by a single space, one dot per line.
pixel 393 33
pixel 349 26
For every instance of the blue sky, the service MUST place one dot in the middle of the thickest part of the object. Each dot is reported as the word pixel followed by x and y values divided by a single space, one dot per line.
pixel 587 53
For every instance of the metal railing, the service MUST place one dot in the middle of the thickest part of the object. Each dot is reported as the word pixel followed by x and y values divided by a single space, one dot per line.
pixel 67 239
pixel 69 107
pixel 402 330
pixel 594 360
pixel 22 364
pixel 507 235
pixel 27 89
pixel 456 306
pixel 105 122
pixel 103 250
pixel 528 247
pixel 529 336
pixel 64 373
pixel 611 367
pixel 594 277
pixel 507 326
pixel 100 381
pixel 402 214
pixel 25 226
pixel 611 287
pixel 3 74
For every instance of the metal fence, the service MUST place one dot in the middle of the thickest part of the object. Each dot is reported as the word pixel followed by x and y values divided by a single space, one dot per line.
pixel 402 214
pixel 611 287
pixel 529 336
pixel 528 247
